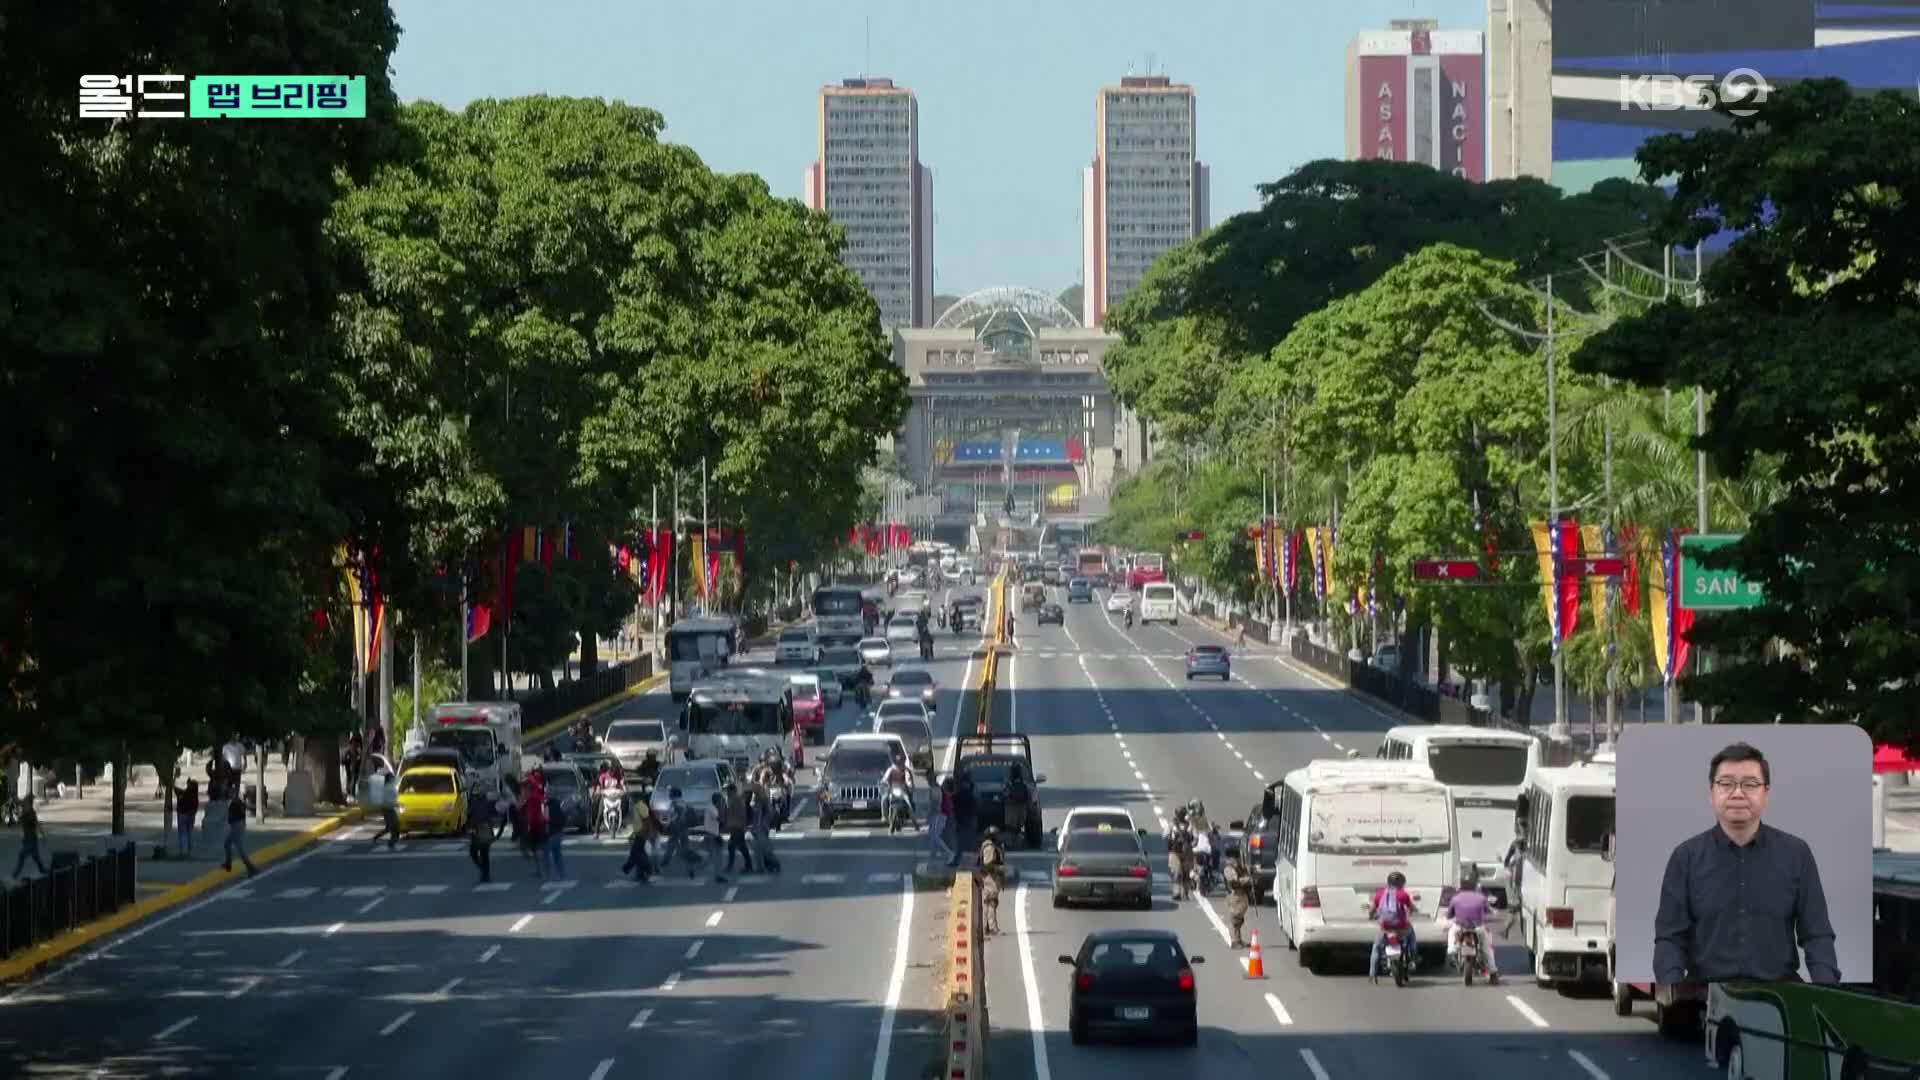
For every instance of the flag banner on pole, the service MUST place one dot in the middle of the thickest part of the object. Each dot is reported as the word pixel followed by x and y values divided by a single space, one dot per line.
pixel 510 560
pixel 1293 558
pixel 1628 543
pixel 1569 590
pixel 479 621
pixel 529 544
pixel 1679 620
pixel 548 541
pixel 1594 539
pixel 1257 533
pixel 1659 609
pixel 1543 549
pixel 370 608
pixel 1316 537
pixel 713 560
pixel 740 554
pixel 696 550
pixel 1333 547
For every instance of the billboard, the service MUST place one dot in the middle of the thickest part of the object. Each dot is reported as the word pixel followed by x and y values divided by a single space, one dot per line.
pixel 1616 62
pixel 1419 96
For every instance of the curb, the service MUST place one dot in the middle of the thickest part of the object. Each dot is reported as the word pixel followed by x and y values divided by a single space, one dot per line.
pixel 37 958
pixel 966 1003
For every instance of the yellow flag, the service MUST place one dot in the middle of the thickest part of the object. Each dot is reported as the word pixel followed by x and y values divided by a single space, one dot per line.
pixel 1329 534
pixel 1655 575
pixel 1597 588
pixel 1543 547
pixel 357 603
pixel 698 553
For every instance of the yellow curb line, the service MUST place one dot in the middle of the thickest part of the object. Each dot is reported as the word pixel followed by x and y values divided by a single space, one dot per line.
pixel 554 727
pixel 39 956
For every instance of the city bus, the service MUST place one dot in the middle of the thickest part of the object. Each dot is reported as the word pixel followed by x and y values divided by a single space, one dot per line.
pixel 1146 566
pixel 737 719
pixel 697 647
pixel 839 615
pixel 1486 768
pixel 1566 878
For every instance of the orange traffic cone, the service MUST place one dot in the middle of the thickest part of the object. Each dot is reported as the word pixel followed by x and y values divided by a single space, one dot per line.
pixel 1255 968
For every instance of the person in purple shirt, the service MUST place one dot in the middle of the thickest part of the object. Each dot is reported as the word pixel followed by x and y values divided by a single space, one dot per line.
pixel 1468 911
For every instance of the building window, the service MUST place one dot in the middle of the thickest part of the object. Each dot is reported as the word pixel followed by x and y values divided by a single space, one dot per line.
pixel 947 358
pixel 1080 357
pixel 966 357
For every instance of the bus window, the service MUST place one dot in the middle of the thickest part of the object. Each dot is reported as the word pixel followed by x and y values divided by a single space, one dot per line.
pixel 1589 823
pixel 1470 765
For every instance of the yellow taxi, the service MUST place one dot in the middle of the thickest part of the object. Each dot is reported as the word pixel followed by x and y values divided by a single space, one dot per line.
pixel 431 799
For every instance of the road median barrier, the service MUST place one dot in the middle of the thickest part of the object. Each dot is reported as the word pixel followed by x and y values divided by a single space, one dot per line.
pixel 966 985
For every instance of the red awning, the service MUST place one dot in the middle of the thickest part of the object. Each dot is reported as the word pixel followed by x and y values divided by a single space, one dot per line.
pixel 1891 759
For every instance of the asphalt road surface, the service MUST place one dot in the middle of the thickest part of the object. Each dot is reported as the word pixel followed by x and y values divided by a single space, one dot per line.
pixel 350 961
pixel 1114 720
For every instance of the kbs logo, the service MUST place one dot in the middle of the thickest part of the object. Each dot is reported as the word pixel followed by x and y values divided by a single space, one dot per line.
pixel 1742 91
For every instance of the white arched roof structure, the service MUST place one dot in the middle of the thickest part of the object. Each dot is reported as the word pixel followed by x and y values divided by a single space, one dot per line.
pixel 1031 308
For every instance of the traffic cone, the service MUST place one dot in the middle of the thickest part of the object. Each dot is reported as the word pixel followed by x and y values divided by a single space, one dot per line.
pixel 1255 968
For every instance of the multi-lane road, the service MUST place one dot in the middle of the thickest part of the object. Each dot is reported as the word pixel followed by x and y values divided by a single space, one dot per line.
pixel 350 961
pixel 1114 720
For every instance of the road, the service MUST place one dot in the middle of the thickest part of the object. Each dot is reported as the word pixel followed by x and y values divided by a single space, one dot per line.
pixel 1114 720
pixel 352 962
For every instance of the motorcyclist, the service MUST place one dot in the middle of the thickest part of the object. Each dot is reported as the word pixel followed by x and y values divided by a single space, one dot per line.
pixel 926 640
pixel 1392 909
pixel 1467 913
pixel 1129 617
pixel 863 685
pixel 648 771
pixel 900 775
pixel 611 788
pixel 553 752
pixel 1239 896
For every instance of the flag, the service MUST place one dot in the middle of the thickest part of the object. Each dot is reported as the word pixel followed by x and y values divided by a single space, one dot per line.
pixel 548 540
pixel 1258 534
pixel 1293 558
pixel 529 543
pixel 712 564
pixel 510 558
pixel 479 621
pixel 1670 632
pixel 1316 543
pixel 1594 539
pixel 1332 541
pixel 1543 549
pixel 1629 545
pixel 696 549
pixel 740 554
pixel 369 607
pixel 1569 585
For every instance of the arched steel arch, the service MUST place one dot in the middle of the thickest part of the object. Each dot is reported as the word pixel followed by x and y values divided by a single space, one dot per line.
pixel 1033 307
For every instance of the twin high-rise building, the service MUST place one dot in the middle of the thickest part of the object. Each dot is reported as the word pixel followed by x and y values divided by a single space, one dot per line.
pixel 869 179
pixel 1145 193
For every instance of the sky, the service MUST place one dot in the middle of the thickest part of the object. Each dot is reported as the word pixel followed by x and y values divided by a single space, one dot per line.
pixel 1006 90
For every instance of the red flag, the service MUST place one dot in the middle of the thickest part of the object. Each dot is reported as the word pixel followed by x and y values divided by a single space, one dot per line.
pixel 510 561
pixel 1679 619
pixel 479 621
pixel 546 547
pixel 624 558
pixel 1568 585
pixel 1629 546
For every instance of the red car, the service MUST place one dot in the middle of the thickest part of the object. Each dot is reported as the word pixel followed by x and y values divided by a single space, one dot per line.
pixel 809 709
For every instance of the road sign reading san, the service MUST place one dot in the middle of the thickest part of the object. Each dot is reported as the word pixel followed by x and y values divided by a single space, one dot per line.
pixel 1445 570
pixel 1702 589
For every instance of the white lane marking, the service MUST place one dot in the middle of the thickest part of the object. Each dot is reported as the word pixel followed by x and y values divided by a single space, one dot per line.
pixel 293 958
pixel 673 980
pixel 1034 1020
pixel 1340 748
pixel 493 886
pixel 732 892
pixel 1279 1011
pixel 174 1029
pixel 337 1072
pixel 959 711
pixel 1586 1063
pixel 1313 1065
pixel 882 878
pixel 371 904
pixel 1225 937
pixel 895 982
pixel 713 920
pixel 1137 775
pixel 600 1071
pixel 1219 735
pixel 397 1023
pixel 362 890
pixel 428 890
pixel 823 879
pixel 448 988
pixel 1326 736
pixel 551 896
pixel 246 984
pixel 115 940
pixel 332 930
pixel 639 1020
pixel 1526 1010
pixel 300 893
pixel 520 924
pixel 693 950
pixel 492 951
pixel 1260 776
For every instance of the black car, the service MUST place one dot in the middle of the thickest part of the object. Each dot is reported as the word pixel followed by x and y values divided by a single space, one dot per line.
pixel 1133 982
pixel 1051 612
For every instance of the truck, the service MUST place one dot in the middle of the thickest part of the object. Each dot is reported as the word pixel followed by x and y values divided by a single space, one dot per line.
pixel 1092 565
pixel 991 761
pixel 487 734
pixel 1148 566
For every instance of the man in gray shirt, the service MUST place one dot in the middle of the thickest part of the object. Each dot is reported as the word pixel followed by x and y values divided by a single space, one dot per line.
pixel 1742 899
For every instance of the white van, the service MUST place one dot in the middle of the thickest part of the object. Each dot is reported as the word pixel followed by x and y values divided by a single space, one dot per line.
pixel 488 735
pixel 1566 881
pixel 1344 826
pixel 1158 602
pixel 1485 768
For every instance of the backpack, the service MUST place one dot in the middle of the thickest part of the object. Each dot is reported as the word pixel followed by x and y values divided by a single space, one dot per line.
pixel 1390 910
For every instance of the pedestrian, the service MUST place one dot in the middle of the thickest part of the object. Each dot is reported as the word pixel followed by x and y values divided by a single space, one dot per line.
pixel 963 813
pixel 559 811
pixel 355 753
pixel 679 833
pixel 736 822
pixel 533 810
pixel 1239 897
pixel 761 815
pixel 481 818
pixel 639 857
pixel 236 837
pixel 386 796
pixel 716 817
pixel 988 874
pixel 186 805
pixel 29 838
pixel 940 823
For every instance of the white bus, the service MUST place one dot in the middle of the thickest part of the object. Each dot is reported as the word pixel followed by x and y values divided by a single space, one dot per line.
pixel 697 647
pixel 1158 602
pixel 1485 768
pixel 737 720
pixel 1344 826
pixel 839 615
pixel 1566 880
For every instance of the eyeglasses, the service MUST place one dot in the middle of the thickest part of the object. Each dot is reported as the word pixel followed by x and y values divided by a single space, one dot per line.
pixel 1726 784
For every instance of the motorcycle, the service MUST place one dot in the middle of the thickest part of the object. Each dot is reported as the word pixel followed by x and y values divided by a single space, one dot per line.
pixel 781 796
pixel 861 695
pixel 581 736
pixel 1129 620
pixel 611 814
pixel 899 807
pixel 1395 955
pixel 1469 959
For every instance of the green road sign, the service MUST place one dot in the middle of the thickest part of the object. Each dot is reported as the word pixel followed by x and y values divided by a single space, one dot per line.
pixel 1702 589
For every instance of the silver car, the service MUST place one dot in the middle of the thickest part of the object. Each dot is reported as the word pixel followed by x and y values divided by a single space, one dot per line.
pixel 796 646
pixel 629 741
pixel 876 652
pixel 697 781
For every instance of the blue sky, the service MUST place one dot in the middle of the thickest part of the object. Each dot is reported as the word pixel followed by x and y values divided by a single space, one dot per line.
pixel 1006 90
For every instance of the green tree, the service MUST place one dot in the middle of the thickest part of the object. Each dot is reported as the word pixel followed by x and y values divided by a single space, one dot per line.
pixel 1809 351
pixel 166 294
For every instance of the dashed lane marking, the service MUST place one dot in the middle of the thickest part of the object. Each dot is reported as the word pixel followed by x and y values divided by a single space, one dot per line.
pixel 397 1023
pixel 639 1020
pixel 173 1029
pixel 1526 1010
pixel 1279 1011
pixel 1586 1063
pixel 1313 1065
pixel 520 924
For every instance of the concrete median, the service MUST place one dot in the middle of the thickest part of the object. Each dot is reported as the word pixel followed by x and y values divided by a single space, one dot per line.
pixel 966 983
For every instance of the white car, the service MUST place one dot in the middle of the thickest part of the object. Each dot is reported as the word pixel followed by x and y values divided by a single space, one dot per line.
pixel 796 646
pixel 903 628
pixel 1091 818
pixel 1119 601
pixel 876 652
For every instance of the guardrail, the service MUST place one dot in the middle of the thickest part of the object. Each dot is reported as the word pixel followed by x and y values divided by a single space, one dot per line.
pixel 77 892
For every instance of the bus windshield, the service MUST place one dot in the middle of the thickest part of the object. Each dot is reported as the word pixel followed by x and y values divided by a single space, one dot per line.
pixel 836 602
pixel 1469 765
pixel 1147 561
pixel 733 718
pixel 1589 820
pixel 1379 823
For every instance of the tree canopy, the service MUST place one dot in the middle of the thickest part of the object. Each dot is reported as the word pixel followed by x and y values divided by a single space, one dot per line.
pixel 1808 348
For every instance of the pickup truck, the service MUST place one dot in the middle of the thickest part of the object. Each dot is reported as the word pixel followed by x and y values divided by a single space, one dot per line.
pixel 994 762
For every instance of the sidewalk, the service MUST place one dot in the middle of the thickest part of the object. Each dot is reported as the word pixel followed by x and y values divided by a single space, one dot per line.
pixel 82 825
